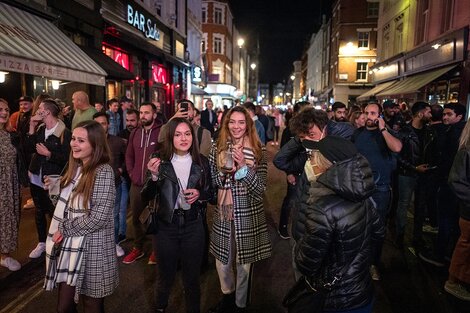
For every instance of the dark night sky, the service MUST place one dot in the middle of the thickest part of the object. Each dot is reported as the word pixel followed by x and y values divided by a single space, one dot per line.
pixel 283 28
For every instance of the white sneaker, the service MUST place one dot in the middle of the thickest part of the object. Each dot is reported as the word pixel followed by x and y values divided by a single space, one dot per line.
pixel 37 252
pixel 119 251
pixel 10 263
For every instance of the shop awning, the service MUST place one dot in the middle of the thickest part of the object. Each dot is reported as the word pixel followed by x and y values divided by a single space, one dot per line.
pixel 375 90
pixel 113 69
pixel 413 83
pixel 195 90
pixel 32 45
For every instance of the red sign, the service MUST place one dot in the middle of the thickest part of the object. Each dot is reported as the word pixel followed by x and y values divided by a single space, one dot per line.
pixel 159 74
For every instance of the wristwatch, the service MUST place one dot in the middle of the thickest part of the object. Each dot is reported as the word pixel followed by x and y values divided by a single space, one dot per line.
pixel 383 129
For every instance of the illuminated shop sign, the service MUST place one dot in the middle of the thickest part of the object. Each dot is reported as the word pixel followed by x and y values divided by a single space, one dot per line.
pixel 145 24
pixel 196 74
pixel 159 74
pixel 118 56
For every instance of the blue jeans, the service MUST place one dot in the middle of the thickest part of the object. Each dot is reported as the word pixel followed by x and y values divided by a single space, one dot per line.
pixel 406 185
pixel 381 196
pixel 120 209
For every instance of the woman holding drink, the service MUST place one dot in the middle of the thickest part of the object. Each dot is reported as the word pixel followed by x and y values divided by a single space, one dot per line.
pixel 49 142
pixel 180 183
pixel 239 233
pixel 80 250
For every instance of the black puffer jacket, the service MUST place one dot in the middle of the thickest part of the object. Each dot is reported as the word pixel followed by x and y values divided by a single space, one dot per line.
pixel 339 229
pixel 167 188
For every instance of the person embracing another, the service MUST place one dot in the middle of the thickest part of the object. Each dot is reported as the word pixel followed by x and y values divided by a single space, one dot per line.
pixel 80 250
pixel 181 184
pixel 239 233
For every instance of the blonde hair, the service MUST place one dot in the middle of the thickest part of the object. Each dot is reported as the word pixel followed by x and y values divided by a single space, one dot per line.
pixel 465 137
pixel 320 160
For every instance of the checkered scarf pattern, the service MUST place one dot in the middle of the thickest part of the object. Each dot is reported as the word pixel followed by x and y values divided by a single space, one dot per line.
pixel 63 262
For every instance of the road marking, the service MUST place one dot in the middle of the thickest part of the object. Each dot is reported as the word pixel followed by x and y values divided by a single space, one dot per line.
pixel 24 299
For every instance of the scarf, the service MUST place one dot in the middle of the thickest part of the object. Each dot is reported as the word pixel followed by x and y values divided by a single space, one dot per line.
pixel 64 260
pixel 224 193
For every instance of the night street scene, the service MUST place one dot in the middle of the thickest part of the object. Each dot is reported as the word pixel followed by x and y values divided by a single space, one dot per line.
pixel 234 156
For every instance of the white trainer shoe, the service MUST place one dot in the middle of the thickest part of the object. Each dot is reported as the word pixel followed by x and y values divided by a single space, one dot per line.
pixel 119 251
pixel 10 263
pixel 38 251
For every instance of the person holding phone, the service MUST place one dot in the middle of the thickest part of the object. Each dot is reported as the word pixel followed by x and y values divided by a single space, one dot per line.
pixel 180 179
pixel 185 109
pixel 239 232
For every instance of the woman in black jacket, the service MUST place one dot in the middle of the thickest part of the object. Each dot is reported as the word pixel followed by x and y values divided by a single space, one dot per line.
pixel 341 224
pixel 49 144
pixel 180 178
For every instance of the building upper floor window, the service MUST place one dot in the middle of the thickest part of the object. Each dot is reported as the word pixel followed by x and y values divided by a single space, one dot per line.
pixel 218 44
pixel 218 16
pixel 361 72
pixel 422 17
pixel 373 9
pixel 204 14
pixel 363 39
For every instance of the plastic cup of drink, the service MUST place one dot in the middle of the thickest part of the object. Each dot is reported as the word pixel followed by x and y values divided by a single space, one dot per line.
pixel 54 185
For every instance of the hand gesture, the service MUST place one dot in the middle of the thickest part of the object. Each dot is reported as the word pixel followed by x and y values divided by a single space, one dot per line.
pixel 57 237
pixel 42 150
pixel 154 165
pixel 381 122
pixel 180 113
pixel 422 168
pixel 191 195
pixel 291 179
pixel 238 156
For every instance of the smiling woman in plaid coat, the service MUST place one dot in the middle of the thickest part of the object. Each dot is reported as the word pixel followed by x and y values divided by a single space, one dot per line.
pixel 80 251
pixel 239 233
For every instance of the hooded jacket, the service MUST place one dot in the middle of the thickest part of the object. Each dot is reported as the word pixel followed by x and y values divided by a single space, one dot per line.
pixel 339 226
pixel 142 143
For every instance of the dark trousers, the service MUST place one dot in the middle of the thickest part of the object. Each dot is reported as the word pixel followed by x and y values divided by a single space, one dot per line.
pixel 448 221
pixel 43 206
pixel 287 204
pixel 180 241
pixel 66 303
pixel 425 204
pixel 381 197
pixel 137 206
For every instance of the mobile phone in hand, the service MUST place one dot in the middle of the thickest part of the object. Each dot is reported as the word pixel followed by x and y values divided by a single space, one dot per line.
pixel 184 106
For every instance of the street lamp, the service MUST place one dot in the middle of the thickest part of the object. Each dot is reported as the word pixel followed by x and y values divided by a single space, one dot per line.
pixel 253 66
pixel 292 77
pixel 240 42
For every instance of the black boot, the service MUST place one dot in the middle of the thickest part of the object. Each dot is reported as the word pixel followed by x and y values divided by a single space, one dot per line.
pixel 225 305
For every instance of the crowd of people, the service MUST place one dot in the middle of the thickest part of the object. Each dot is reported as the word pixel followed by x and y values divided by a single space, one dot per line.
pixel 350 173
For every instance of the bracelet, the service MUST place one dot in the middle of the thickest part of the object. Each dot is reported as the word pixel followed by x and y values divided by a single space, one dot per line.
pixel 383 129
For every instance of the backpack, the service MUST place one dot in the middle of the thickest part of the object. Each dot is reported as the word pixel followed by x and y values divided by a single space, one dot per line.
pixel 270 130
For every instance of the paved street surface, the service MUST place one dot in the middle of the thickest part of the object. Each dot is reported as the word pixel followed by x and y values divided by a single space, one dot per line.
pixel 407 285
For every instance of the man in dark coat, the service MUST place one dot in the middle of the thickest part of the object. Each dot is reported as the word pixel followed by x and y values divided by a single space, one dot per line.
pixel 209 117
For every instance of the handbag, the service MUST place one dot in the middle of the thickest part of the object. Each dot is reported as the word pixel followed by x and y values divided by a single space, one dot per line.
pixel 305 296
pixel 149 217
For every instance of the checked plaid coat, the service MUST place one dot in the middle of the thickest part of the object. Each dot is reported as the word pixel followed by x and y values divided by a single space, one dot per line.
pixel 251 232
pixel 98 275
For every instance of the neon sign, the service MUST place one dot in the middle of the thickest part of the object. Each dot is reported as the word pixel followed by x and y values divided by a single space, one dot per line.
pixel 119 57
pixel 159 74
pixel 145 25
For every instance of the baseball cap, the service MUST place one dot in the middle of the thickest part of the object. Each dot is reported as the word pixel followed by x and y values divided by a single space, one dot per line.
pixel 25 98
pixel 389 104
pixel 334 148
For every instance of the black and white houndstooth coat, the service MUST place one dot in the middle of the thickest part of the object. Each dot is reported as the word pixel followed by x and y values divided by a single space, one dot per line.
pixel 251 231
pixel 99 271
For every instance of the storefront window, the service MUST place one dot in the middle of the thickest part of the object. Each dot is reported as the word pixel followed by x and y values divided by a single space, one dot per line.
pixel 118 56
pixel 159 74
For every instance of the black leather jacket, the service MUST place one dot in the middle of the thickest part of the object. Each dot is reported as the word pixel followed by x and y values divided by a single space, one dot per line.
pixel 339 229
pixel 409 156
pixel 167 188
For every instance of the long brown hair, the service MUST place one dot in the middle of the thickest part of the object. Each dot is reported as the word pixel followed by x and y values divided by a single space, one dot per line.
pixel 167 150
pixel 100 155
pixel 250 133
pixel 7 125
